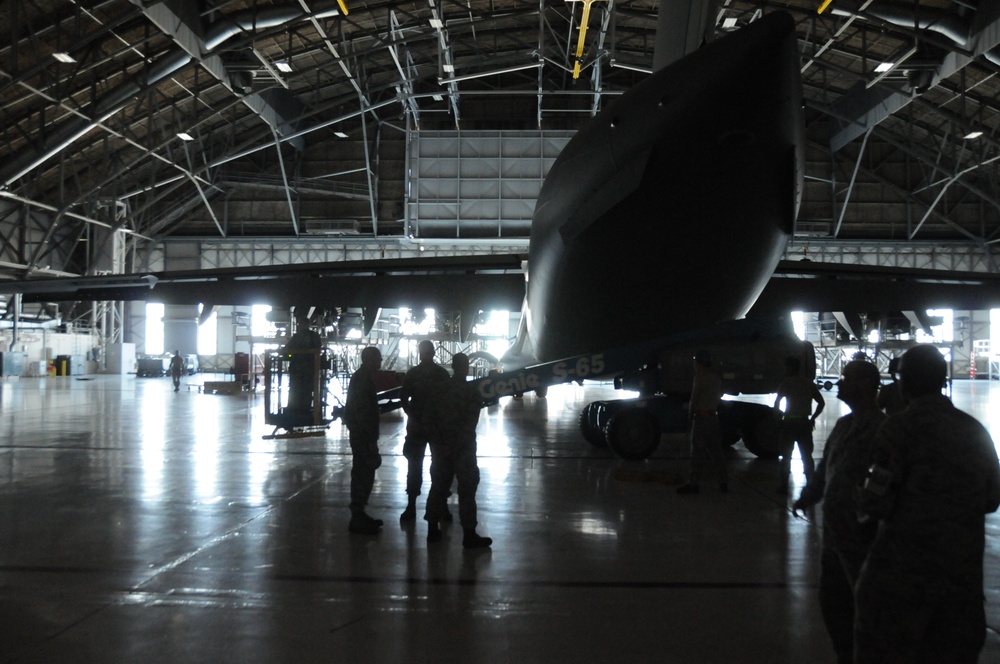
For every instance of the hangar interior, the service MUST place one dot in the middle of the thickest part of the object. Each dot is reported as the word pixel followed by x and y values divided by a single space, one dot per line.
pixel 170 135
pixel 137 524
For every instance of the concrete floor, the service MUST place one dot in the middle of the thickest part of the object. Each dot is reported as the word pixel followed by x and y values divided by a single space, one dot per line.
pixel 140 525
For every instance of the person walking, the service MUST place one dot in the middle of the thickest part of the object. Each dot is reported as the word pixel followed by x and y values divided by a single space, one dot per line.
pixel 176 369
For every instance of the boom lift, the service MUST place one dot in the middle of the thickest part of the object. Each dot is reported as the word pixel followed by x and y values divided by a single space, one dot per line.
pixel 749 354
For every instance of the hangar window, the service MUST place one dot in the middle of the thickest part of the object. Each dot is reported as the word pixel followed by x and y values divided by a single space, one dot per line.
pixel 799 324
pixel 208 334
pixel 995 332
pixel 260 326
pixel 154 328
pixel 939 333
pixel 496 329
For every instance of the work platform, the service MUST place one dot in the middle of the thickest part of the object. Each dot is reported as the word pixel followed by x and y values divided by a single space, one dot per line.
pixel 142 525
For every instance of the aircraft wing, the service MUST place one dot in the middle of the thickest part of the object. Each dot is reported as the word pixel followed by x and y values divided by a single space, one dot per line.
pixel 810 286
pixel 466 283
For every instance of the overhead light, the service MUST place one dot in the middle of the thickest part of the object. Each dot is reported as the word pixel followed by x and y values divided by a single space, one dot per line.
pixel 64 57
pixel 437 97
pixel 340 134
pixel 884 67
pixel 728 23
pixel 436 23
pixel 450 68
pixel 283 65
pixel 972 134
pixel 184 136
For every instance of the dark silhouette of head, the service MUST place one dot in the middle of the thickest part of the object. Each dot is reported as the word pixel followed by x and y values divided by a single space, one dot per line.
pixel 703 358
pixel 858 385
pixel 922 371
pixel 460 365
pixel 371 357
pixel 425 350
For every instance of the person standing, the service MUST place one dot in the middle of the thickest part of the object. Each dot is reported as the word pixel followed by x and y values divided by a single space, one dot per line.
pixel 417 390
pixel 846 457
pixel 798 420
pixel 706 435
pixel 934 476
pixel 176 369
pixel 451 424
pixel 361 416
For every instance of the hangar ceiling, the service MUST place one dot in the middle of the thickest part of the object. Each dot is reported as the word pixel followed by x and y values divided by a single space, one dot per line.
pixel 257 118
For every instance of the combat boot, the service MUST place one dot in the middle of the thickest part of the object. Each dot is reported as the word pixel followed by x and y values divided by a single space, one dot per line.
pixel 362 524
pixel 473 540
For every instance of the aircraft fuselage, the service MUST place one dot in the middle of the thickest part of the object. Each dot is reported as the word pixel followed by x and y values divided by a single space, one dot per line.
pixel 671 209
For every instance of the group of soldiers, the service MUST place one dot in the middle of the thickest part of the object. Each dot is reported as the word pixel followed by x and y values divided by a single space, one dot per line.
pixel 442 412
pixel 906 480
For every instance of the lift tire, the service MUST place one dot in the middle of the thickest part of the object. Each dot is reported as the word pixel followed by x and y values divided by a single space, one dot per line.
pixel 541 391
pixel 761 438
pixel 755 424
pixel 633 434
pixel 591 427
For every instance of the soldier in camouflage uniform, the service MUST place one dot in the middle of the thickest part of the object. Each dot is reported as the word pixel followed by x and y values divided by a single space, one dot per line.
pixel 361 418
pixel 451 422
pixel 846 457
pixel 419 385
pixel 934 476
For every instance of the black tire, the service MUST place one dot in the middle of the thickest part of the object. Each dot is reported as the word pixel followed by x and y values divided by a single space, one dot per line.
pixel 633 433
pixel 761 437
pixel 590 425
pixel 540 392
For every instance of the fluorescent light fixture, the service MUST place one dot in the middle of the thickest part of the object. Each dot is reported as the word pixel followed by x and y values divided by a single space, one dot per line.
pixel 972 134
pixel 437 97
pixel 884 67
pixel 283 65
pixel 340 134
pixel 728 23
pixel 450 68
pixel 64 57
pixel 507 70
pixel 184 136
pixel 436 23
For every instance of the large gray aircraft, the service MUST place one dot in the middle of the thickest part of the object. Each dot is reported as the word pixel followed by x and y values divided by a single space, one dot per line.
pixel 660 221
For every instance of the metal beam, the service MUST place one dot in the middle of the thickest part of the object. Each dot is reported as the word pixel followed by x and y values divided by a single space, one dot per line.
pixel 864 107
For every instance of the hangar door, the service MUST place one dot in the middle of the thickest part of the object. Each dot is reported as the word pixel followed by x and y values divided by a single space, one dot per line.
pixel 476 184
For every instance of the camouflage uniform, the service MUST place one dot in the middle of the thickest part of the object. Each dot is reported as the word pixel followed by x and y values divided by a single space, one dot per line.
pixel 846 457
pixel 451 423
pixel 361 417
pixel 920 594
pixel 417 390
